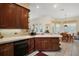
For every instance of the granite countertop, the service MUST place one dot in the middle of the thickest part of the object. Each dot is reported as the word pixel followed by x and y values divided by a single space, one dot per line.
pixel 46 35
pixel 17 38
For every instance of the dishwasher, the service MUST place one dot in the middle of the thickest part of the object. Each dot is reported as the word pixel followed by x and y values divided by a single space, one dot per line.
pixel 20 48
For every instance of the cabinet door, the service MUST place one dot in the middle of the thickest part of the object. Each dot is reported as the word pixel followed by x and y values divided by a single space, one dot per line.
pixel 12 14
pixel 6 50
pixel 55 45
pixel 30 45
pixel 24 18
pixel 7 16
pixel 3 20
pixel 39 44
pixel 42 44
pixel 17 16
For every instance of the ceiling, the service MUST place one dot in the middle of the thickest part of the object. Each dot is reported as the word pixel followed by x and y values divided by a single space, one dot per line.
pixel 53 10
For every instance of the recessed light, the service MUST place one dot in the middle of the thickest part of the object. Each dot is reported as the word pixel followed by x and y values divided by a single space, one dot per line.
pixel 37 6
pixel 55 5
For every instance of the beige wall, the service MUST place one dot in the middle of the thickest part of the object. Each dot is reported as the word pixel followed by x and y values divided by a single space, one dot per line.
pixel 26 5
pixel 57 21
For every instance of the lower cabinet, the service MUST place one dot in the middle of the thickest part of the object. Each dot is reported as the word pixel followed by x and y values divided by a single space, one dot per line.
pixel 6 49
pixel 42 44
pixel 18 48
pixel 27 46
pixel 47 44
pixel 31 47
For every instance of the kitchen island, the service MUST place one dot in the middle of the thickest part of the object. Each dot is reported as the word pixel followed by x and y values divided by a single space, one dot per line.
pixel 47 42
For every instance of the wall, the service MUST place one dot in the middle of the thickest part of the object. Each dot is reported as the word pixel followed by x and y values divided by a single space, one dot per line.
pixel 43 21
pixel 26 5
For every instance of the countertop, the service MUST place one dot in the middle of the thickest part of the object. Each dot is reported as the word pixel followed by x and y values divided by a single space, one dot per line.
pixel 17 38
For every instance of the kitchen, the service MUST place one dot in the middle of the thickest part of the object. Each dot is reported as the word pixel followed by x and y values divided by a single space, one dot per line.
pixel 22 32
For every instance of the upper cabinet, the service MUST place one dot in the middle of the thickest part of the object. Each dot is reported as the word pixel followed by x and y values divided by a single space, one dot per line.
pixel 13 16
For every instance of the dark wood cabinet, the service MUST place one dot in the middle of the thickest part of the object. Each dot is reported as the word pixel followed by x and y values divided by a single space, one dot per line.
pixel 27 46
pixel 17 48
pixel 47 44
pixel 6 49
pixel 31 47
pixel 13 16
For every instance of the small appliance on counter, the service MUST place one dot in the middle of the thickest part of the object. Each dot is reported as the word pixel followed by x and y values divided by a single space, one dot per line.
pixel 33 33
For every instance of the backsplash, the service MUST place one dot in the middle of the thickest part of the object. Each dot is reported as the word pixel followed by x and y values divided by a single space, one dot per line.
pixel 13 32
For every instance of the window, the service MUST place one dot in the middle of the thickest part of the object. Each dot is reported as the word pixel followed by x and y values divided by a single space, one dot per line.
pixel 70 28
pixel 56 28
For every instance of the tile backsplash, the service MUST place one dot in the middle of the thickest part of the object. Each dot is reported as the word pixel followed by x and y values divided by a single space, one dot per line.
pixel 13 32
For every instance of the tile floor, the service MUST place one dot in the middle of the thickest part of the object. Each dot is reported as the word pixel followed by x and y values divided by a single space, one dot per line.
pixel 67 49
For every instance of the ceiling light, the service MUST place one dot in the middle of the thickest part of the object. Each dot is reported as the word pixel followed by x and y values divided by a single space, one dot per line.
pixel 55 5
pixel 37 6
